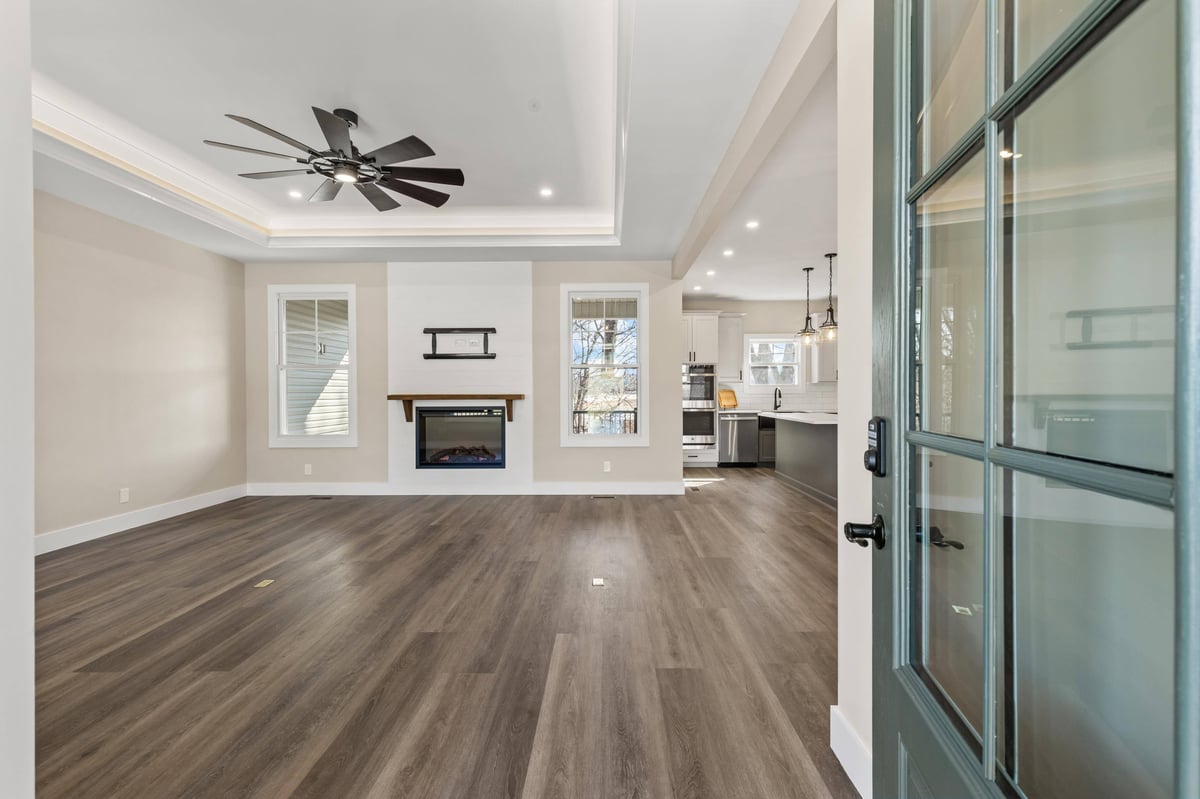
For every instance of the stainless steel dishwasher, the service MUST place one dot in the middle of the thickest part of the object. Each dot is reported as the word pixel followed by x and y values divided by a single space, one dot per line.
pixel 738 437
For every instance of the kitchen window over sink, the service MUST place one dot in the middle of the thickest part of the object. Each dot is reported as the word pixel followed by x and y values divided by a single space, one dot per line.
pixel 772 361
pixel 604 374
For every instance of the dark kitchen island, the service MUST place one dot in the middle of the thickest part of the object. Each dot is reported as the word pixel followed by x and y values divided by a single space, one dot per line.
pixel 806 452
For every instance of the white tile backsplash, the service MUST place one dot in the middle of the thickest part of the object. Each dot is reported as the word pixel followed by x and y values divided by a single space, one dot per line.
pixel 813 397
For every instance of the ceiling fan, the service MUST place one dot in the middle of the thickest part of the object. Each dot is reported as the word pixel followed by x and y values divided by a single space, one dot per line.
pixel 343 164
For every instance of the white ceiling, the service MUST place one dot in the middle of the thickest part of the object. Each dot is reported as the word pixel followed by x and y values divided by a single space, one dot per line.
pixel 518 95
pixel 623 108
pixel 794 199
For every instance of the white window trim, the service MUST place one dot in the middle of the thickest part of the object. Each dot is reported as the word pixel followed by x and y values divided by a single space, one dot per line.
pixel 320 291
pixel 641 291
pixel 802 365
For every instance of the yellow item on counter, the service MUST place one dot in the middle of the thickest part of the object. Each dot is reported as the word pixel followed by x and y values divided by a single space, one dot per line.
pixel 727 398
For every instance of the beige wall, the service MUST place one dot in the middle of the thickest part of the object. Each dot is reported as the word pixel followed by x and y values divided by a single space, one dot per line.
pixel 782 316
pixel 366 463
pixel 661 461
pixel 138 367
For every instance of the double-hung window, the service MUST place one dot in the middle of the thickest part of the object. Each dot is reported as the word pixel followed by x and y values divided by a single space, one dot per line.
pixel 604 385
pixel 772 361
pixel 312 378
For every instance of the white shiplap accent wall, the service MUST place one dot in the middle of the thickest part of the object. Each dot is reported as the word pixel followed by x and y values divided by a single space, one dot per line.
pixel 498 295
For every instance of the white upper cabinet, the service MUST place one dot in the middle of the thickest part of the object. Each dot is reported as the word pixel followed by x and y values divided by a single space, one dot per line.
pixel 730 329
pixel 823 362
pixel 700 338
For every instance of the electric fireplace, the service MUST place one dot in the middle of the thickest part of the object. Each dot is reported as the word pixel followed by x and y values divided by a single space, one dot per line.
pixel 460 438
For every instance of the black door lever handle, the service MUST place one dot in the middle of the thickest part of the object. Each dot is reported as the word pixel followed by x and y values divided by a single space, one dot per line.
pixel 862 534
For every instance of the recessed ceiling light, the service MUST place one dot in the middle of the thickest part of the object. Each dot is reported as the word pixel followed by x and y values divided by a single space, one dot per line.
pixel 697 288
pixel 295 193
pixel 546 191
pixel 711 272
pixel 727 253
pixel 752 224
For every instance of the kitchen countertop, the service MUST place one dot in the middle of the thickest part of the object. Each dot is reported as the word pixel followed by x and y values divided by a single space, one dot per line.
pixel 804 417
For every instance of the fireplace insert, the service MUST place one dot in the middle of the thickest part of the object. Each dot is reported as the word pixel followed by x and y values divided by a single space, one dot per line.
pixel 460 438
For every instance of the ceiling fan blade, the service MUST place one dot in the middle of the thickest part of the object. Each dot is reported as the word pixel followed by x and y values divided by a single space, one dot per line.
pixel 326 191
pixel 381 201
pixel 427 174
pixel 279 174
pixel 240 148
pixel 336 131
pixel 403 150
pixel 428 196
pixel 299 145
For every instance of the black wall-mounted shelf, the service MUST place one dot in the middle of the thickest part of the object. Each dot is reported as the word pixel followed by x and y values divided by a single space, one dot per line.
pixel 437 356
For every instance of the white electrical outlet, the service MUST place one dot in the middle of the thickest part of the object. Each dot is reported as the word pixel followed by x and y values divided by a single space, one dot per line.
pixel 608 466
pixel 308 468
pixel 123 496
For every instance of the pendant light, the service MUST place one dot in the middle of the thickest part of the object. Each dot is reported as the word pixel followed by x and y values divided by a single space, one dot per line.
pixel 809 333
pixel 829 326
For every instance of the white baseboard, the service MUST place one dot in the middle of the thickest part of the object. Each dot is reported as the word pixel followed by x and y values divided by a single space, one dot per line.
pixel 317 489
pixel 853 753
pixel 88 531
pixel 532 489
pixel 668 488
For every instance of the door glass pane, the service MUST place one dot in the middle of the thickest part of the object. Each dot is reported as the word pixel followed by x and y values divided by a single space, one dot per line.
pixel 948 76
pixel 1028 27
pixel 947 564
pixel 1091 595
pixel 950 276
pixel 1089 254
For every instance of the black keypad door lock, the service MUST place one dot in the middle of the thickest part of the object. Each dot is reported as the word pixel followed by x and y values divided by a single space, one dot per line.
pixel 864 534
pixel 875 458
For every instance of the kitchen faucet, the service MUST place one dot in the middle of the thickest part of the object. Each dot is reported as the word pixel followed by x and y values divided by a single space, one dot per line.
pixel 778 399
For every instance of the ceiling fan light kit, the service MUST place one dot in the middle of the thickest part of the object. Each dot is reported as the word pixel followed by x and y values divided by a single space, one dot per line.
pixel 343 163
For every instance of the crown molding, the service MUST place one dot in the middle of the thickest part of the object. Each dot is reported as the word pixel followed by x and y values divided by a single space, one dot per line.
pixel 74 130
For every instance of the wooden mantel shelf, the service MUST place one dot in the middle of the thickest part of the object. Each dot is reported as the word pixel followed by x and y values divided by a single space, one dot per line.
pixel 408 399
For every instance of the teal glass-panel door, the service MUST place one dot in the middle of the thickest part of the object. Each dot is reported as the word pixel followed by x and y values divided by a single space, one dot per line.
pixel 1027 294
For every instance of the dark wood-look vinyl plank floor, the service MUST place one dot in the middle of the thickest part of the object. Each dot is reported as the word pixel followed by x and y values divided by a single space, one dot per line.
pixel 448 647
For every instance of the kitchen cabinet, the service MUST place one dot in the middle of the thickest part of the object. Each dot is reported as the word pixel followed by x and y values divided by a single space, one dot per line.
pixel 700 337
pixel 730 332
pixel 823 362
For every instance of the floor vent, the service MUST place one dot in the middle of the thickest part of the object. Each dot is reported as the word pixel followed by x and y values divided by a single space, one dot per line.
pixel 599 496
pixel 695 489
pixel 320 497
